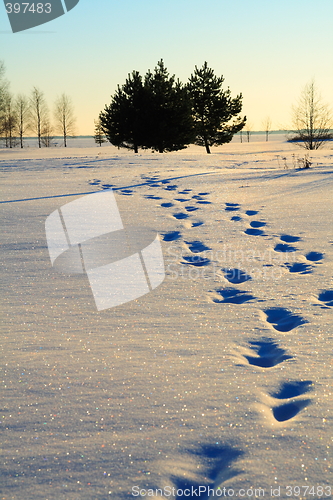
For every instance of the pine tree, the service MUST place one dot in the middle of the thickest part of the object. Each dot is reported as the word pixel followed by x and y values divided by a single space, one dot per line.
pixel 213 108
pixel 151 114
pixel 99 134
pixel 170 124
pixel 123 120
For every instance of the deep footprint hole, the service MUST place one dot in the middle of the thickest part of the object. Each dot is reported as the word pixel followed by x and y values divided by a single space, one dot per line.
pixel 284 248
pixel 197 246
pixel 172 236
pixel 257 224
pixel 233 296
pixel 299 267
pixel 327 297
pixel 289 410
pixel 254 232
pixel 283 320
pixel 236 276
pixel 287 238
pixel 292 389
pixel 314 256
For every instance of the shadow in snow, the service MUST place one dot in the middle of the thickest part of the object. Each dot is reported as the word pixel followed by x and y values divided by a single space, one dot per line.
pixel 216 459
pixel 268 352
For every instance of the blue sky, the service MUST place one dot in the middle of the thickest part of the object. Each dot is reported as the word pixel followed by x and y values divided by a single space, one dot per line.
pixel 268 50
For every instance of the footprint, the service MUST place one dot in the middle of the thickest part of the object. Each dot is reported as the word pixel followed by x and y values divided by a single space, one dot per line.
pixel 233 296
pixel 171 187
pixel 201 467
pixel 289 410
pixel 196 260
pixel 180 215
pixel 314 256
pixel 182 200
pixel 197 197
pixel 269 354
pixel 289 239
pixel 231 207
pixel 257 223
pixel 172 236
pixel 152 197
pixel 198 223
pixel 299 267
pixel 292 389
pixel 251 212
pixel 254 232
pixel 236 276
pixel 203 194
pixel 283 247
pixel 236 218
pixel 185 191
pixel 191 209
pixel 204 202
pixel 167 205
pixel 283 320
pixel 126 192
pixel 197 246
pixel 326 296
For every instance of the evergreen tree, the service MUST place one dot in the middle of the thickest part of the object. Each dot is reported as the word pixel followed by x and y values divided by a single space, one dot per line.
pixel 123 120
pixel 169 126
pixel 213 108
pixel 99 134
pixel 151 114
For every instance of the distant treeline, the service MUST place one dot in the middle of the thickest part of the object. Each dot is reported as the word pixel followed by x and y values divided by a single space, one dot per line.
pixel 160 113
pixel 22 114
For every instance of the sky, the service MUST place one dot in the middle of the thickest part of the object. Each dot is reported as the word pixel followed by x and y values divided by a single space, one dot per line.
pixel 266 50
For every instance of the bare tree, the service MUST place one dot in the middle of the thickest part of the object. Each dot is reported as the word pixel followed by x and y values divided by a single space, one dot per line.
pixel 267 124
pixel 64 117
pixel 47 134
pixel 39 114
pixel 3 92
pixel 248 129
pixel 9 120
pixel 312 119
pixel 22 110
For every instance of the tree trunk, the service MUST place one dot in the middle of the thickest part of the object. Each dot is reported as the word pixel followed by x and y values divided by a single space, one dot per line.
pixel 207 147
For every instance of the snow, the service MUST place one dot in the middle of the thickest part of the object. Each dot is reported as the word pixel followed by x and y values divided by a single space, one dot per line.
pixel 221 376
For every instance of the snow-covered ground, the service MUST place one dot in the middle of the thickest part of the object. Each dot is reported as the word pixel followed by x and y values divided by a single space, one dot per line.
pixel 221 377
